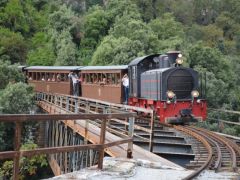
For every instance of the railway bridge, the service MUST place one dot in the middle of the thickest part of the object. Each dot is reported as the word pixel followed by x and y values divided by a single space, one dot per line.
pixel 78 132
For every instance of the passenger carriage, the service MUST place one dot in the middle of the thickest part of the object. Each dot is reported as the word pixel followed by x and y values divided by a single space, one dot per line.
pixel 51 79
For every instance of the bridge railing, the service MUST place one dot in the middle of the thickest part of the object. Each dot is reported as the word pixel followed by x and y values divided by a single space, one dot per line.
pixel 18 119
pixel 218 117
pixel 76 104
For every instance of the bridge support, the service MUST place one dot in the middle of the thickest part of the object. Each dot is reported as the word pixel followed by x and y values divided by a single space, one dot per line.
pixel 58 135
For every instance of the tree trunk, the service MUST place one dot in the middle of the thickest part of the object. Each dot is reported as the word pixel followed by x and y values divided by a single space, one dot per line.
pixel 105 2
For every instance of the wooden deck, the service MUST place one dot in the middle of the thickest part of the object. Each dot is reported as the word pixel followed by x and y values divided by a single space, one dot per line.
pixel 92 134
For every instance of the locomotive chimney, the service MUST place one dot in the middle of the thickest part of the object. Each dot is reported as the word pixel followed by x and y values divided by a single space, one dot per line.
pixel 172 56
pixel 164 61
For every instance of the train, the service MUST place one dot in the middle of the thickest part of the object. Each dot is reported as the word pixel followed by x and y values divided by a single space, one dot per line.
pixel 159 81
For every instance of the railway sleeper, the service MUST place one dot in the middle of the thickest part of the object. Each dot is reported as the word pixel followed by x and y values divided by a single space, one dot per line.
pixel 193 166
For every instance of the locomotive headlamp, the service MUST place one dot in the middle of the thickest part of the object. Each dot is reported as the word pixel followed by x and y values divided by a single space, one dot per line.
pixel 195 94
pixel 170 94
pixel 179 61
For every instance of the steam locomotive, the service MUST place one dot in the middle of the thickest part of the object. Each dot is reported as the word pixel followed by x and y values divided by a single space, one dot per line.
pixel 158 81
pixel 176 93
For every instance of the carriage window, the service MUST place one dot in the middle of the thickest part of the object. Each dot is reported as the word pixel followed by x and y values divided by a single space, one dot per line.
pixel 35 76
pixel 48 77
pixel 38 77
pixel 30 76
pixel 118 79
pixel 113 77
pixel 65 77
pixel 83 77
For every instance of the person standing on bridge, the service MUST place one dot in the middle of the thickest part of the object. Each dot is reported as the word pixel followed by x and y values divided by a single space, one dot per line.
pixel 125 82
pixel 75 83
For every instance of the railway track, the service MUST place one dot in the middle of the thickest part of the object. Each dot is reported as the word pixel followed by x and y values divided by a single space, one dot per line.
pixel 195 148
pixel 212 151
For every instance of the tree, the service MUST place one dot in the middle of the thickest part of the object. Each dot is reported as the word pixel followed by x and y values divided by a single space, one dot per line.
pixel 28 166
pixel 218 92
pixel 211 35
pixel 169 32
pixel 64 18
pixel 9 73
pixel 12 45
pixel 13 17
pixel 16 98
pixel 117 51
pixel 211 59
pixel 66 50
pixel 147 9
pixel 64 32
pixel 116 9
pixel 95 27
pixel 42 52
pixel 42 56
pixel 130 26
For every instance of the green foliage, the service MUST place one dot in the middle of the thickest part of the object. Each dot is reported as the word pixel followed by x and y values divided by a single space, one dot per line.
pixel 64 18
pixel 209 58
pixel 64 33
pixel 230 131
pixel 12 45
pixel 28 166
pixel 42 56
pixel 13 17
pixel 169 32
pixel 147 9
pixel 66 50
pixel 9 73
pixel 116 9
pixel 95 26
pixel 137 31
pixel 16 98
pixel 117 51
pixel 42 52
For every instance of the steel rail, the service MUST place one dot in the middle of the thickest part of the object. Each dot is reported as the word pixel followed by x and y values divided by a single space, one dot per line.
pixel 229 147
pixel 205 143
pixel 219 153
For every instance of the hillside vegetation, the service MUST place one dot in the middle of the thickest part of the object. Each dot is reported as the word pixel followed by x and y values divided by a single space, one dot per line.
pixel 102 32
pixel 109 32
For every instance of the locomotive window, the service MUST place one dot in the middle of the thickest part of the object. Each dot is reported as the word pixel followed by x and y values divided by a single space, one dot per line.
pixel 134 72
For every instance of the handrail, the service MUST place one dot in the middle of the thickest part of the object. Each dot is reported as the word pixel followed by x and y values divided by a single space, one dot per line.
pixel 227 122
pixel 75 104
pixel 126 107
pixel 224 110
pixel 18 119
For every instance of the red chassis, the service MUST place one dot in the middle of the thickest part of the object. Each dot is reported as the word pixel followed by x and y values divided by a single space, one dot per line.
pixel 168 113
